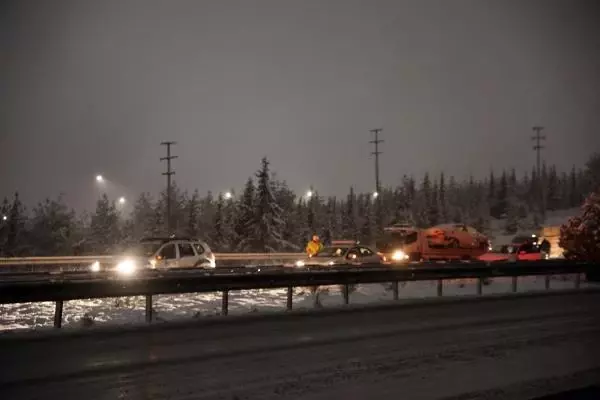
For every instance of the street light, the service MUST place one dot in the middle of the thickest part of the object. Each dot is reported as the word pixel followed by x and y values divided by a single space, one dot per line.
pixel 309 194
pixel 121 200
pixel 99 178
pixel 228 195
pixel 4 218
pixel 375 194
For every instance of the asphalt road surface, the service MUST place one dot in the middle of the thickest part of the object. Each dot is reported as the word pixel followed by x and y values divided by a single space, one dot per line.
pixel 495 348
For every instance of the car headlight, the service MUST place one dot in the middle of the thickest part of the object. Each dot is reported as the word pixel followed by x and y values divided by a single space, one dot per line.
pixel 399 255
pixel 95 266
pixel 299 263
pixel 126 267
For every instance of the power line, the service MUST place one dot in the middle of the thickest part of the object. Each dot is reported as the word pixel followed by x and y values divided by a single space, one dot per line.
pixel 376 153
pixel 168 173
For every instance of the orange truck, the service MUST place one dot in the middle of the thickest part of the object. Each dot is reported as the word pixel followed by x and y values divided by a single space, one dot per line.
pixel 403 243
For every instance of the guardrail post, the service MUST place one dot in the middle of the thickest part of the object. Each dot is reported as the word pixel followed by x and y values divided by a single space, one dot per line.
pixel 577 281
pixel 479 286
pixel 514 284
pixel 395 289
pixel 290 294
pixel 225 303
pixel 58 313
pixel 440 287
pixel 346 294
pixel 547 282
pixel 148 308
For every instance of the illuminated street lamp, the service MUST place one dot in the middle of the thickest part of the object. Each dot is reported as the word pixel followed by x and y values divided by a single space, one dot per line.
pixel 309 194
pixel 121 200
pixel 375 194
pixel 99 178
pixel 4 218
pixel 228 195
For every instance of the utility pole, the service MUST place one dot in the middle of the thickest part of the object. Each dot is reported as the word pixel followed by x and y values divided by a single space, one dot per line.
pixel 377 194
pixel 376 153
pixel 538 138
pixel 169 172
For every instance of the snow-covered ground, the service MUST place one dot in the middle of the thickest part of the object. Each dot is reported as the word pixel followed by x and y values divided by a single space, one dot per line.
pixel 130 310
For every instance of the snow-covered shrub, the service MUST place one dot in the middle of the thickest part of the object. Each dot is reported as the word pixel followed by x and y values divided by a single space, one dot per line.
pixel 580 236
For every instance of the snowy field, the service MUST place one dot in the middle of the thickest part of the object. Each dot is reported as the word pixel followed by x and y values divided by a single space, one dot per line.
pixel 130 310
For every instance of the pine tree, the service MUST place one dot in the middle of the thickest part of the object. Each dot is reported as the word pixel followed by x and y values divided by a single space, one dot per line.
pixel 105 226
pixel 367 218
pixel 349 226
pixel 512 180
pixel 142 217
pixel 52 226
pixel 443 203
pixel 433 206
pixel 563 189
pixel 592 171
pixel 286 199
pixel 229 219
pixel 244 217
pixel 206 216
pixel 333 221
pixel 4 211
pixel 500 202
pixel 16 233
pixel 574 194
pixel 424 211
pixel 492 186
pixel 218 239
pixel 159 224
pixel 552 190
pixel 454 202
pixel 267 225
pixel 178 209
pixel 192 209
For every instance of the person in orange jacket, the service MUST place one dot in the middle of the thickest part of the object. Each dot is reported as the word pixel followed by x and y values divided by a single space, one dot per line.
pixel 314 246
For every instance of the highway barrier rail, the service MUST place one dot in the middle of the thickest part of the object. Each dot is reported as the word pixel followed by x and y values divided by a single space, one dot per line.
pixel 81 263
pixel 71 286
pixel 66 260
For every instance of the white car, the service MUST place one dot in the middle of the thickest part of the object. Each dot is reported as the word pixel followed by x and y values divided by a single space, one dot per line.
pixel 165 253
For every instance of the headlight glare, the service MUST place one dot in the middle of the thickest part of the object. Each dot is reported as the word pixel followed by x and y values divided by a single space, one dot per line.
pixel 126 267
pixel 399 255
pixel 95 266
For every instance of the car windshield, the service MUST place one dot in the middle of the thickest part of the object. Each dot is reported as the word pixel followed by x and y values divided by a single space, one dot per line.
pixel 146 249
pixel 332 252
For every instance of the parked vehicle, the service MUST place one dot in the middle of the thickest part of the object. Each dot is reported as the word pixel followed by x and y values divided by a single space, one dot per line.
pixel 165 253
pixel 522 250
pixel 343 252
pixel 443 242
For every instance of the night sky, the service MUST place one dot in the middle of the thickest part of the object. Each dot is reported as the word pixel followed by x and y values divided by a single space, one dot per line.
pixel 91 87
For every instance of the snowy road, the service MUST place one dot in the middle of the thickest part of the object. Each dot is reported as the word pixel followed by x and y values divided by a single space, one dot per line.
pixel 523 346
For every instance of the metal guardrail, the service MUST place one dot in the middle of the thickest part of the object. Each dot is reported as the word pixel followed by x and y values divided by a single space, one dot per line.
pixel 150 283
pixel 78 260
